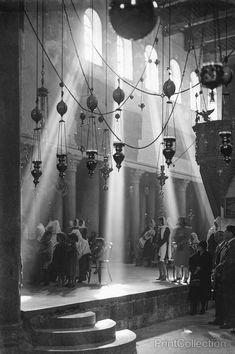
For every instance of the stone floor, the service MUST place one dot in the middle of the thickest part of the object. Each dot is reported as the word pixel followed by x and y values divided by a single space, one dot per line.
pixel 126 279
pixel 187 334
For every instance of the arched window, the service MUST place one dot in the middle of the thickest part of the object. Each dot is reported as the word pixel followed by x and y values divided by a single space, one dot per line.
pixel 213 104
pixel 124 58
pixel 195 103
pixel 151 72
pixel 176 77
pixel 92 32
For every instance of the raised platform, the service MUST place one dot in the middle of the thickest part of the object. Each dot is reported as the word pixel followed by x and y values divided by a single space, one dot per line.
pixel 134 299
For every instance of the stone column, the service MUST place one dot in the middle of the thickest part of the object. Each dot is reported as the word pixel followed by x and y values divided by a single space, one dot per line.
pixel 135 208
pixel 10 327
pixel 91 199
pixel 180 188
pixel 70 196
pixel 152 200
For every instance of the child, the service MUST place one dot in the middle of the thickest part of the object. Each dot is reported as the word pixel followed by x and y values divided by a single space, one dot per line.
pixel 98 254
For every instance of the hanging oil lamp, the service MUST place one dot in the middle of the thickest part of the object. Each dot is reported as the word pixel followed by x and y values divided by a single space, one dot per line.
pixel 91 161
pixel 211 76
pixel 80 126
pixel 142 105
pixel 162 177
pixel 36 171
pixel 62 157
pixel 92 101
pixel 91 149
pixel 169 89
pixel 105 170
pixel 106 167
pixel 118 156
pixel 43 103
pixel 118 96
pixel 226 147
pixel 169 149
pixel 227 75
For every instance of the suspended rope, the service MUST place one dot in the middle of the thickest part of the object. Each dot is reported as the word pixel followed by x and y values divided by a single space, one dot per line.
pixel 100 113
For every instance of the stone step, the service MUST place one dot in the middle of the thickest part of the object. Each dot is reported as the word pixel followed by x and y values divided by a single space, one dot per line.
pixel 125 343
pixel 102 332
pixel 77 320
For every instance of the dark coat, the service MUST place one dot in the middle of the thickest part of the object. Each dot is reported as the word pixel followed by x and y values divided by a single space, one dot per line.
pixel 201 291
pixel 59 258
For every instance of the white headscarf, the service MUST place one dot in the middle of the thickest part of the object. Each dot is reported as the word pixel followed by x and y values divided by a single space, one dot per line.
pixel 82 244
pixel 40 230
pixel 213 229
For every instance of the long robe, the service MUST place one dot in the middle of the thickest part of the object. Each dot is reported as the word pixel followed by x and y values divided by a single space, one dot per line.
pixel 200 291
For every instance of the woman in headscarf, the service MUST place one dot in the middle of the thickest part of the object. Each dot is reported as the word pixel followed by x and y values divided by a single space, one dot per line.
pixel 54 227
pixel 193 242
pixel 43 259
pixel 164 246
pixel 84 252
pixel 218 225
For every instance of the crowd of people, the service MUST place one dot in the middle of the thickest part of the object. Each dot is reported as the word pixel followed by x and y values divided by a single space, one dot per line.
pixel 207 265
pixel 159 244
pixel 59 257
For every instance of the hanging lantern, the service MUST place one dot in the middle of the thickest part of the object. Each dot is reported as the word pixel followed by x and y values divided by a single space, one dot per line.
pixel 100 119
pixel 169 89
pixel 118 115
pixel 106 167
pixel 211 76
pixel 62 159
pixel 226 147
pixel 92 101
pixel 105 170
pixel 118 156
pixel 91 161
pixel 132 20
pixel 91 147
pixel 36 115
pixel 42 93
pixel 62 164
pixel 169 150
pixel 227 75
pixel 61 108
pixel 118 95
pixel 82 117
pixel 36 171
pixel 162 177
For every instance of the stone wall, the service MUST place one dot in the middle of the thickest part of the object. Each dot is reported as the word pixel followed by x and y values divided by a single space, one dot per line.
pixel 130 311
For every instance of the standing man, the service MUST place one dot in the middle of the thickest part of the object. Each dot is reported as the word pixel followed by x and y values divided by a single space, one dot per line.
pixel 226 270
pixel 163 246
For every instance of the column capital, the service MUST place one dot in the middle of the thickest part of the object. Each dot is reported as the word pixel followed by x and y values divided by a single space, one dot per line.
pixel 181 183
pixel 136 175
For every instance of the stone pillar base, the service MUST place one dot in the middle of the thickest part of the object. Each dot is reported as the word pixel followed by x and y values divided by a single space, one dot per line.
pixel 13 340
